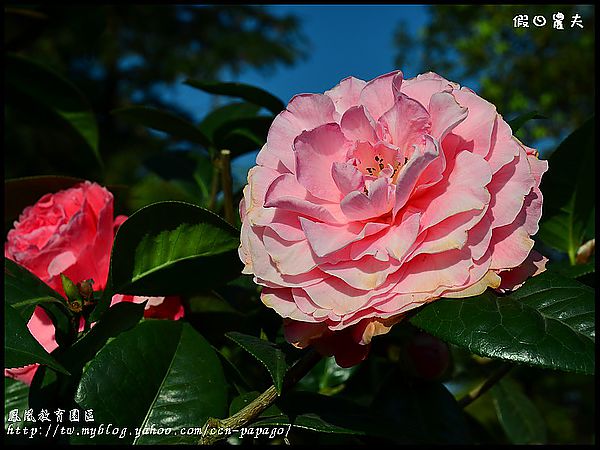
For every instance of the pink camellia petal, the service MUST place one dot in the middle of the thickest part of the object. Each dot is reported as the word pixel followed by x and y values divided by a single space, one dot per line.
pixel 347 177
pixel 381 196
pixel 445 113
pixel 377 201
pixel 316 151
pixel 304 112
pixel 405 123
pixel 358 125
pixel 346 94
pixel 514 278
pixel 465 189
pixel 424 86
pixel 509 186
pixel 377 95
pixel 325 239
pixel 480 126
pixel 286 193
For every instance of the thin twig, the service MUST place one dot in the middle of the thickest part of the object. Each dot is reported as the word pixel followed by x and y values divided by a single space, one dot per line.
pixel 227 184
pixel 214 184
pixel 215 430
pixel 485 386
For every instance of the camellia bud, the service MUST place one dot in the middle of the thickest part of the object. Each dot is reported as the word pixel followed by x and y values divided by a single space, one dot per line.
pixel 74 299
pixel 428 356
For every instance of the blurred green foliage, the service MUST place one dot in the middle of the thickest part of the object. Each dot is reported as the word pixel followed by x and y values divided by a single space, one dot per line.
pixel 518 69
pixel 117 55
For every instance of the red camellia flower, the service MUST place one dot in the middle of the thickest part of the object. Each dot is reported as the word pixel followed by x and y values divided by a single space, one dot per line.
pixel 71 232
pixel 376 197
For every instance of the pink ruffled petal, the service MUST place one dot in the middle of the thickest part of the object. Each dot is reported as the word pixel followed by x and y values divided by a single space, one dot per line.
pixel 346 94
pixel 358 125
pixel 304 112
pixel 377 95
pixel 316 151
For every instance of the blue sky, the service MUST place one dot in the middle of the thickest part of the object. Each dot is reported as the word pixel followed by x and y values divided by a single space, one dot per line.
pixel 344 40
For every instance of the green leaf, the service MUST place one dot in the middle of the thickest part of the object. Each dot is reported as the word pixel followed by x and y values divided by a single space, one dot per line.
pixel 16 394
pixel 24 291
pixel 327 377
pixel 569 191
pixel 117 319
pixel 163 121
pixel 160 373
pixel 51 91
pixel 171 248
pixel 220 116
pixel 243 134
pixel 20 347
pixel 211 302
pixel 246 92
pixel 548 322
pixel 577 271
pixel 269 354
pixel 519 417
pixel 521 120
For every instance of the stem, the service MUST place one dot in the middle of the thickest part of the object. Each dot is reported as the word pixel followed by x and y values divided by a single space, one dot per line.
pixel 485 386
pixel 214 186
pixel 262 402
pixel 227 186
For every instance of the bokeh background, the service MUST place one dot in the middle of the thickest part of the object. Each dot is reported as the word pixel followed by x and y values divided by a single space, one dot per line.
pixel 119 56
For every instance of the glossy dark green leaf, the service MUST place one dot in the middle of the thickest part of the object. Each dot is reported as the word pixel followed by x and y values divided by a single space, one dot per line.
pixel 20 193
pixel 244 91
pixel 160 373
pixel 163 121
pixel 20 347
pixel 548 322
pixel 172 248
pixel 569 191
pixel 519 417
pixel 521 120
pixel 51 91
pixel 15 397
pixel 117 319
pixel 24 291
pixel 269 354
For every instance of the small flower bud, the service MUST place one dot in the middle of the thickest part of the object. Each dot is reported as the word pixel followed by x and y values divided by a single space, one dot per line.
pixel 74 299
pixel 429 357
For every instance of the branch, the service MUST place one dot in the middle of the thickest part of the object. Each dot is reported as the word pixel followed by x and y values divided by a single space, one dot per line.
pixel 485 386
pixel 227 186
pixel 262 402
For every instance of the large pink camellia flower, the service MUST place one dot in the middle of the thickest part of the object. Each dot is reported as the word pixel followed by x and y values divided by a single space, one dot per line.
pixel 71 232
pixel 376 197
